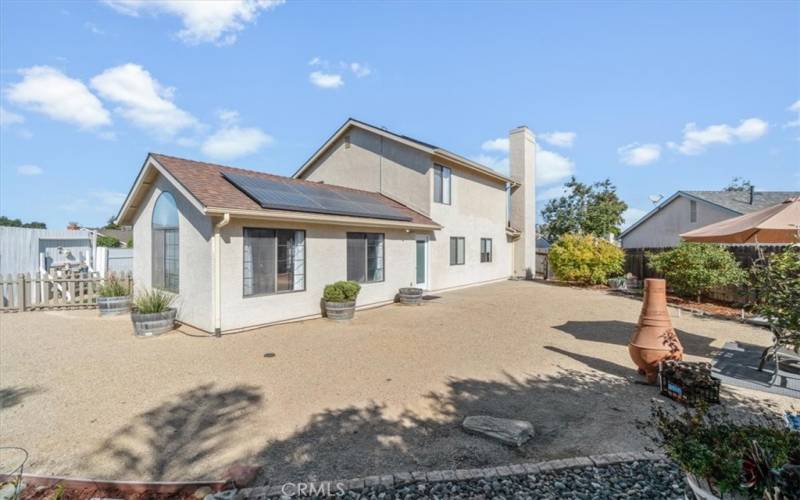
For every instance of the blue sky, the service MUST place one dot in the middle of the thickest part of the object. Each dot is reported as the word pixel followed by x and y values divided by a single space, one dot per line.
pixel 656 96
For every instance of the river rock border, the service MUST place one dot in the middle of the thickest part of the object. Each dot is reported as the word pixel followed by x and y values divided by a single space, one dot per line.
pixel 406 478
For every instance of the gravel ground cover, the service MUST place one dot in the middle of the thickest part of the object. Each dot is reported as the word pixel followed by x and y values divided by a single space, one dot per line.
pixel 383 393
pixel 659 479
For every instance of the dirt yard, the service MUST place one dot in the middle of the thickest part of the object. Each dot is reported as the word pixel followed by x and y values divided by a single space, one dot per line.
pixel 385 392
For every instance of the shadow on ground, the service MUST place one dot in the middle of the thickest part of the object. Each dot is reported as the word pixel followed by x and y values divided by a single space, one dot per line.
pixel 12 396
pixel 619 333
pixel 161 443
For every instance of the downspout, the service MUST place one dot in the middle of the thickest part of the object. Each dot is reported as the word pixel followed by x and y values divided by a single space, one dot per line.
pixel 226 218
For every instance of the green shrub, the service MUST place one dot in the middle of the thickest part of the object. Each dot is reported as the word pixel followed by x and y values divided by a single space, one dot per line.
pixel 341 291
pixel 108 241
pixel 720 450
pixel 153 301
pixel 112 288
pixel 585 259
pixel 692 269
pixel 776 283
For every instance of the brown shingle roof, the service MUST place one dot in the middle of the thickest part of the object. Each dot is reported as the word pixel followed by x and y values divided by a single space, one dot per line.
pixel 206 183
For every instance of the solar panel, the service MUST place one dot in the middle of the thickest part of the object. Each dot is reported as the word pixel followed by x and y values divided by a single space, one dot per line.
pixel 277 195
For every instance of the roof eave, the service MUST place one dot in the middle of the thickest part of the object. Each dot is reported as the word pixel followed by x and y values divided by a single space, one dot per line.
pixel 314 218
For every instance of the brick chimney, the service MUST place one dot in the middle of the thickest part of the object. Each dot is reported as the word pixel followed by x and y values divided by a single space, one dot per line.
pixel 522 166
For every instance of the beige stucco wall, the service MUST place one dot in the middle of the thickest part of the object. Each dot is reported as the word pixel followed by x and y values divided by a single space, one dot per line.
pixel 663 229
pixel 477 210
pixel 326 262
pixel 194 299
pixel 377 164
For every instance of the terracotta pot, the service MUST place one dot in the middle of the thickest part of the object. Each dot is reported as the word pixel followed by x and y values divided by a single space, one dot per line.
pixel 655 339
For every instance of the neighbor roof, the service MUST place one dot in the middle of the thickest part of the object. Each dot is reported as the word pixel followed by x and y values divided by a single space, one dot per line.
pixel 737 202
pixel 408 141
pixel 206 184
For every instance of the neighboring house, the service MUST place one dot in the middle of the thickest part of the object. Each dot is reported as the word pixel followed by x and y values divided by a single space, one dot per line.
pixel 242 248
pixel 687 210
pixel 123 235
pixel 25 250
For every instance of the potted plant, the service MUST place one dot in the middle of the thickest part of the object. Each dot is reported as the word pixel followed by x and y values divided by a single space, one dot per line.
pixel 340 299
pixel 410 295
pixel 727 459
pixel 152 313
pixel 113 298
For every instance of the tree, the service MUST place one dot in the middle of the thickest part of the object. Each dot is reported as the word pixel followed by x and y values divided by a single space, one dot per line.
pixel 739 184
pixel 5 221
pixel 692 269
pixel 585 209
pixel 585 258
pixel 776 283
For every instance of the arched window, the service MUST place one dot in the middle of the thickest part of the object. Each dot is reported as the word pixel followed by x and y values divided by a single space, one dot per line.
pixel 166 246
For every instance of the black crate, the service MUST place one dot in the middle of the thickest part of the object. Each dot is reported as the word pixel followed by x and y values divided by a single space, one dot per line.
pixel 687 394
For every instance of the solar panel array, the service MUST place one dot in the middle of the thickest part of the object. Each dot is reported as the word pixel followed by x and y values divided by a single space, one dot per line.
pixel 314 198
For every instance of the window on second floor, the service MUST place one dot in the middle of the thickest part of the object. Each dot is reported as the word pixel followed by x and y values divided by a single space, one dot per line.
pixel 441 184
pixel 457 251
pixel 692 211
pixel 486 249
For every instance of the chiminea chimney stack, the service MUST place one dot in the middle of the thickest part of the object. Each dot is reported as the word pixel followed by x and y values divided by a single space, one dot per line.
pixel 750 192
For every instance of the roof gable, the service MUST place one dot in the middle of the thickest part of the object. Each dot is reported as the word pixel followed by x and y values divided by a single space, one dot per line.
pixel 428 148
pixel 203 183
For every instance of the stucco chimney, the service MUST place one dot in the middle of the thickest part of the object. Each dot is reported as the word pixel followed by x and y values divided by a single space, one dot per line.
pixel 522 159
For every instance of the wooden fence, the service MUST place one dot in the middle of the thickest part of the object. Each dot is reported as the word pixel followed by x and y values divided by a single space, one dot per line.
pixel 637 263
pixel 40 291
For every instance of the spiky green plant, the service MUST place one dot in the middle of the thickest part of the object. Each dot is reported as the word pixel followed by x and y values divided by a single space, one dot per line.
pixel 153 301
pixel 113 288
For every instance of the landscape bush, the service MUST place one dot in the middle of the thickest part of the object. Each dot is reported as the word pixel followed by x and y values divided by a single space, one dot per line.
pixel 341 291
pixel 112 288
pixel 108 241
pixel 585 259
pixel 153 301
pixel 776 286
pixel 692 269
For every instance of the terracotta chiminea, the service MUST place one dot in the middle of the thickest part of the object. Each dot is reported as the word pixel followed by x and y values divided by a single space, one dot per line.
pixel 655 339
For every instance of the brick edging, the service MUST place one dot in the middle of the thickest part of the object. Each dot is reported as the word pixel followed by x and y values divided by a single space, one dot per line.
pixel 406 478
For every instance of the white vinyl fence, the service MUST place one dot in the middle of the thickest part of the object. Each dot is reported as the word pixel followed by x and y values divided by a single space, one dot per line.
pixel 113 260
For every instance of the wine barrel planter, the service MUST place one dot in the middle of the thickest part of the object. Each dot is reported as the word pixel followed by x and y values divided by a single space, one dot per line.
pixel 410 296
pixel 114 306
pixel 340 310
pixel 153 324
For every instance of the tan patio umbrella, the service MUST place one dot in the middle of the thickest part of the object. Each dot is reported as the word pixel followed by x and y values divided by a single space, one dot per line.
pixel 776 224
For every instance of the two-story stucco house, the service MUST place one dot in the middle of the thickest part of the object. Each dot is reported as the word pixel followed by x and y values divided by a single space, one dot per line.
pixel 242 249
pixel 687 210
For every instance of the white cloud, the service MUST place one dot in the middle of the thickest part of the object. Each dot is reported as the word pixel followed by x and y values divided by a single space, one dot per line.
pixel 8 118
pixel 632 215
pixel 552 167
pixel 93 28
pixel 48 91
pixel 695 140
pixel 326 80
pixel 550 193
pixel 500 144
pixel 360 70
pixel 109 198
pixel 228 116
pixel 499 164
pixel 215 21
pixel 560 139
pixel 233 142
pixel 142 100
pixel 795 107
pixel 30 170
pixel 639 154
pixel 316 61
pixel 99 201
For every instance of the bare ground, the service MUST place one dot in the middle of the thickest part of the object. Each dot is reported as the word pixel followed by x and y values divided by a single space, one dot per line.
pixel 385 392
